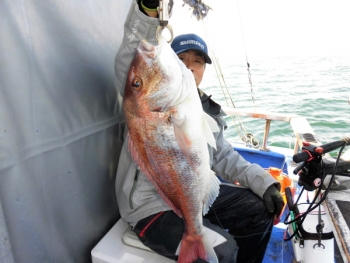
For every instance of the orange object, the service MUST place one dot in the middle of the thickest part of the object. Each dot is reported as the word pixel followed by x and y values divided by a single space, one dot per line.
pixel 285 181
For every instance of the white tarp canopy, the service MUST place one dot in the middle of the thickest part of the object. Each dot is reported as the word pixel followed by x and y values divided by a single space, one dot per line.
pixel 60 129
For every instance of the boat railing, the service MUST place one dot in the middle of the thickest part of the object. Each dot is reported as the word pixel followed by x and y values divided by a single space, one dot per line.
pixel 302 130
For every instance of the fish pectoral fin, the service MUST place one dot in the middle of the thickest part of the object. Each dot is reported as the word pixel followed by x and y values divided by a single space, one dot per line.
pixel 182 139
pixel 212 194
pixel 209 126
pixel 211 122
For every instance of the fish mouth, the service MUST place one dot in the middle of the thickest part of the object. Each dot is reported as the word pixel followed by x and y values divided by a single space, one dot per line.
pixel 147 50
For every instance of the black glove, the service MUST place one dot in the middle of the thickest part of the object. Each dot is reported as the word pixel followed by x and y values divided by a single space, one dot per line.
pixel 152 4
pixel 273 200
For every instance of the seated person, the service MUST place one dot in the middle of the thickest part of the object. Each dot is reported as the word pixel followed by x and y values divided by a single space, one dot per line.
pixel 247 213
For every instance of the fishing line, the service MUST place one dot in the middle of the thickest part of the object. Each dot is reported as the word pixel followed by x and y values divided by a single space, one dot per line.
pixel 237 121
pixel 218 219
pixel 246 57
pixel 240 128
pixel 235 235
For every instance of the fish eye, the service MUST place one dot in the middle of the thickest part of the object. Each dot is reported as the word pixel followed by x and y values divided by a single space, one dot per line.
pixel 136 84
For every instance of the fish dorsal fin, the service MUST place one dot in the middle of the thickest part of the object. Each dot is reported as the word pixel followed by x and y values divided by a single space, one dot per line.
pixel 212 194
pixel 209 126
pixel 136 157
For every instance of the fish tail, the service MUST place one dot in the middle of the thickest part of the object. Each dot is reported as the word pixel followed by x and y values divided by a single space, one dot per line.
pixel 194 247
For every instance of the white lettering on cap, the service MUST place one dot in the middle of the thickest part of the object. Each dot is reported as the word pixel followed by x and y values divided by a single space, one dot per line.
pixel 193 42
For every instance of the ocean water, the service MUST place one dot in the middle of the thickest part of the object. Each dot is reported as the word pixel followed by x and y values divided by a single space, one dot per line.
pixel 317 88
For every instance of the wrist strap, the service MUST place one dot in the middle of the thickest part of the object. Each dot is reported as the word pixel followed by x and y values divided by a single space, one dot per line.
pixel 146 8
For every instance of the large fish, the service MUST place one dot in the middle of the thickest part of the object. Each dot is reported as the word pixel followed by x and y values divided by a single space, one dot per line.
pixel 168 137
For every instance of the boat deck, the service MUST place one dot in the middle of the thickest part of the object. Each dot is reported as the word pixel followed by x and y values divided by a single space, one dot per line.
pixel 278 250
pixel 338 204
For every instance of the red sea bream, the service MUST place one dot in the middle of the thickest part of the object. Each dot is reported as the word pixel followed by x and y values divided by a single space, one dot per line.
pixel 168 138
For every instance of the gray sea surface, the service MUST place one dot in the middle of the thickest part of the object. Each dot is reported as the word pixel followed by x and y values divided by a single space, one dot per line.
pixel 317 88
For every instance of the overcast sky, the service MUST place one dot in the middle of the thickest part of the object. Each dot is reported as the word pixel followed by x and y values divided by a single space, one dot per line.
pixel 271 27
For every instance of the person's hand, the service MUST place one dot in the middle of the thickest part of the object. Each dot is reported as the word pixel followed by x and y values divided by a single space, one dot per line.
pixel 150 7
pixel 151 4
pixel 273 200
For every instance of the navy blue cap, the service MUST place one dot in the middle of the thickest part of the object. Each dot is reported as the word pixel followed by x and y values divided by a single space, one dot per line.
pixel 193 42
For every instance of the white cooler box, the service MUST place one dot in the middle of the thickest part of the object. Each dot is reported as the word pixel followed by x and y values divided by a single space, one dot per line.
pixel 113 249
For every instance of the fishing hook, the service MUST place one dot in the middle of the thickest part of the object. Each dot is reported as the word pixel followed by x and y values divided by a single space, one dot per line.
pixel 160 29
pixel 163 11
